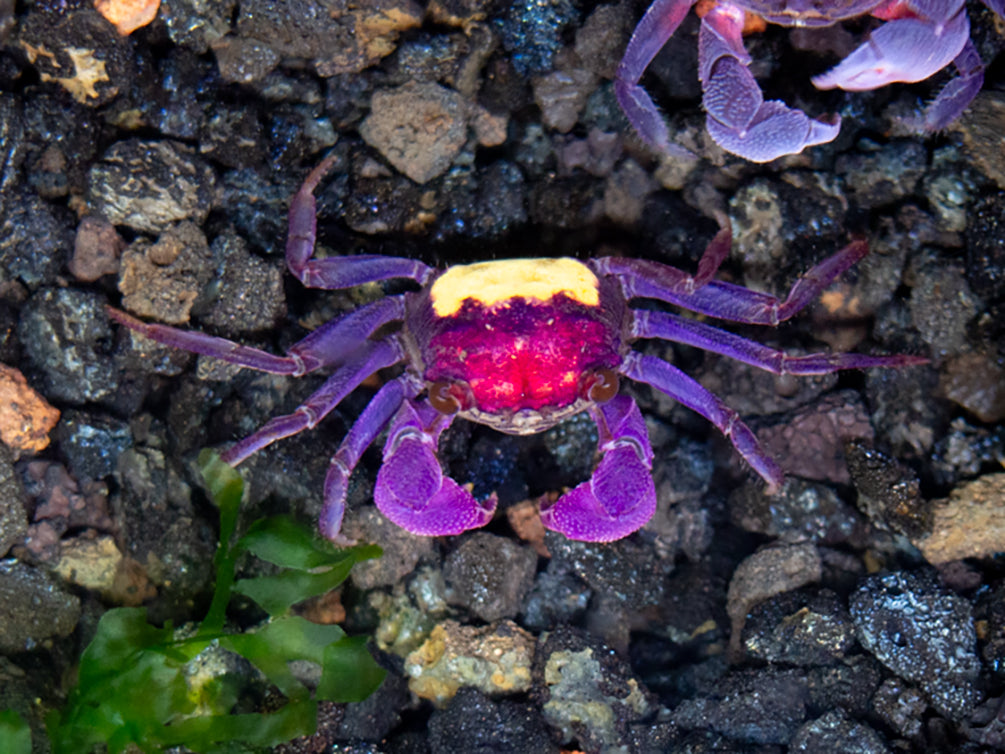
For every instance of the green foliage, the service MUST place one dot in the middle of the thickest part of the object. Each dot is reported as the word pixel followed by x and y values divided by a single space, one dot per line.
pixel 142 685
pixel 15 735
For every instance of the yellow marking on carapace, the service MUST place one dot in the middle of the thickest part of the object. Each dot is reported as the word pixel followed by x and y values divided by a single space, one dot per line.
pixel 490 283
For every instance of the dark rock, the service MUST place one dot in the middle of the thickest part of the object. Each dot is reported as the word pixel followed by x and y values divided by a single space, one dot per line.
pixel 835 732
pixel 13 513
pixel 901 706
pixel 804 627
pixel 34 238
pixel 801 511
pixel 78 49
pixel 532 32
pixel 66 337
pixel 888 492
pixel 848 685
pixel 489 576
pixel 942 306
pixel 765 707
pixel 148 185
pixel 92 443
pixel 965 451
pixel 556 598
pixel 627 570
pixel 247 291
pixel 924 633
pixel 474 723
pixel 375 717
pixel 889 173
pixel 36 608
pixel 402 549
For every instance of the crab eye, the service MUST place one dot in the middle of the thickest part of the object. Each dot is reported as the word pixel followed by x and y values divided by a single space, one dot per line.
pixel 600 385
pixel 447 397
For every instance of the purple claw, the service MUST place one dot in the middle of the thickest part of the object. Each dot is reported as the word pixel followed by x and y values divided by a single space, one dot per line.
pixel 902 50
pixel 412 490
pixel 620 496
pixel 739 120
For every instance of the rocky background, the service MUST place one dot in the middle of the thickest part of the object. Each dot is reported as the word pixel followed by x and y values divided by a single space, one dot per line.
pixel 150 167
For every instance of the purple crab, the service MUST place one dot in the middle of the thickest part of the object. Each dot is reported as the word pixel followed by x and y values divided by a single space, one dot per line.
pixel 518 345
pixel 919 38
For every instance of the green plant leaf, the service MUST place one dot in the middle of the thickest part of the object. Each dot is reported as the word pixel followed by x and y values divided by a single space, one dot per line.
pixel 313 565
pixel 277 594
pixel 349 673
pixel 280 641
pixel 206 734
pixel 226 488
pixel 14 733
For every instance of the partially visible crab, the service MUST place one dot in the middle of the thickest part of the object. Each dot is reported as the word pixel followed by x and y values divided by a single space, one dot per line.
pixel 518 345
pixel 920 38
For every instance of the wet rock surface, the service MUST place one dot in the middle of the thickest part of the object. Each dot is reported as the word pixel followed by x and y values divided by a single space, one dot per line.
pixel 152 172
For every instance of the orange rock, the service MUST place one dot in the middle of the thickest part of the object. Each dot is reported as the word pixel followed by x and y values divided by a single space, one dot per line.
pixel 128 15
pixel 525 519
pixel 25 417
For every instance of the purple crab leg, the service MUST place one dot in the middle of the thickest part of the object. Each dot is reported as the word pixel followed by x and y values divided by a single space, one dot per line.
pixel 670 380
pixel 955 96
pixel 921 38
pixel 739 120
pixel 360 365
pixel 336 272
pixel 620 497
pixel 656 27
pixel 738 304
pixel 633 272
pixel 374 419
pixel 666 326
pixel 327 345
pixel 412 490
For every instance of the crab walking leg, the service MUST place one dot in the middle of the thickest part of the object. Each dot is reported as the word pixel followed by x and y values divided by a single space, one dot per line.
pixel 327 345
pixel 668 326
pixel 739 120
pixel 922 37
pixel 620 497
pixel 656 27
pixel 636 274
pixel 738 304
pixel 670 380
pixel 412 490
pixel 954 97
pixel 364 362
pixel 371 422
pixel 337 272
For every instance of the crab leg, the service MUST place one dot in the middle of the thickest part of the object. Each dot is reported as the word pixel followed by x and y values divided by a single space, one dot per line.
pixel 656 27
pixel 620 497
pixel 336 272
pixel 666 326
pixel 412 490
pixel 636 274
pixel 739 120
pixel 738 304
pixel 360 365
pixel 954 97
pixel 371 422
pixel 670 380
pixel 327 345
pixel 919 38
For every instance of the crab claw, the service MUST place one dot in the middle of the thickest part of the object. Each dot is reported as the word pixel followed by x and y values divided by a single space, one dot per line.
pixel 739 120
pixel 620 497
pixel 901 50
pixel 412 490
